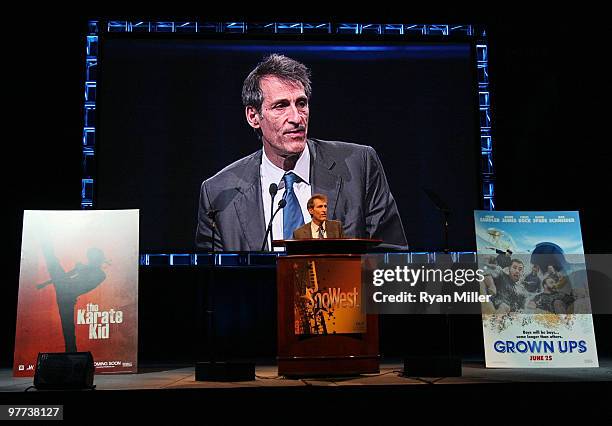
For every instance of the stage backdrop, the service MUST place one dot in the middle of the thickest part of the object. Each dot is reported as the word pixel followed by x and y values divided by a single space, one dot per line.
pixel 78 288
pixel 540 312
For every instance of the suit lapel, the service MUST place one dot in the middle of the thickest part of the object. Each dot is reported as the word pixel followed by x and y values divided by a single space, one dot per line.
pixel 303 231
pixel 249 205
pixel 332 229
pixel 324 181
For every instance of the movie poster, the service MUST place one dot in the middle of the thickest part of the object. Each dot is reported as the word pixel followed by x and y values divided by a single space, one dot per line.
pixel 78 288
pixel 538 313
pixel 328 297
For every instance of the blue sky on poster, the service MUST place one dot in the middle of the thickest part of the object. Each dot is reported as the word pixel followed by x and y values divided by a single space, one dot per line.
pixel 522 231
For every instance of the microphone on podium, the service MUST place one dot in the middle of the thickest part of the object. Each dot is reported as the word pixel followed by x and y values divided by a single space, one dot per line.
pixel 281 204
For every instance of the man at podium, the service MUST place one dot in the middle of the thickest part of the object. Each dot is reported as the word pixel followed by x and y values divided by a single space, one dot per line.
pixel 319 226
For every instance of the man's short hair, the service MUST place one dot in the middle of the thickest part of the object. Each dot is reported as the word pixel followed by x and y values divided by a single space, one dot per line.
pixel 310 204
pixel 279 66
pixel 516 261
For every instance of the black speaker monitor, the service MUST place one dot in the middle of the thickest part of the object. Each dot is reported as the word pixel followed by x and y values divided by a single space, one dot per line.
pixel 64 370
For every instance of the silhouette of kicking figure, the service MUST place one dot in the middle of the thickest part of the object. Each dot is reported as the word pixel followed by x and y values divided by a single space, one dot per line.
pixel 72 284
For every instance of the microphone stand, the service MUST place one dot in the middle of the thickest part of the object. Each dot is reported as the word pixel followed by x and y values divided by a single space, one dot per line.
pixel 445 210
pixel 210 304
pixel 281 204
pixel 449 366
pixel 213 370
pixel 273 190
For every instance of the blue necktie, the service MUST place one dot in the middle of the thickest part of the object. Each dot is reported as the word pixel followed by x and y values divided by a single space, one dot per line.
pixel 292 213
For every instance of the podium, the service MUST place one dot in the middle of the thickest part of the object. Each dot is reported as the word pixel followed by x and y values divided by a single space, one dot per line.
pixel 322 326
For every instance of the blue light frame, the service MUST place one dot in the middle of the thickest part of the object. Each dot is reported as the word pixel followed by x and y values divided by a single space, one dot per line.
pixel 409 31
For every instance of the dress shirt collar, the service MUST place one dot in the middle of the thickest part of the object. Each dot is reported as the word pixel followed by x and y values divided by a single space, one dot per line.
pixel 301 169
pixel 315 228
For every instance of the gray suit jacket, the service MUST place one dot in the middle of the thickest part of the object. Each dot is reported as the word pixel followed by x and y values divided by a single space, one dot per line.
pixel 350 175
pixel 333 229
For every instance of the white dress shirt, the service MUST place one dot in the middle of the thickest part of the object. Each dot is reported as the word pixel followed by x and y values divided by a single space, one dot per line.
pixel 314 228
pixel 269 173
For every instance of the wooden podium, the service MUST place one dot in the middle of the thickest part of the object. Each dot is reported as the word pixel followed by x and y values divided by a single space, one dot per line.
pixel 322 326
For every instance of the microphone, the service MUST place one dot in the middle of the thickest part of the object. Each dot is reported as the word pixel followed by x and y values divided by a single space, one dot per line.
pixel 281 204
pixel 436 200
pixel 446 211
pixel 272 190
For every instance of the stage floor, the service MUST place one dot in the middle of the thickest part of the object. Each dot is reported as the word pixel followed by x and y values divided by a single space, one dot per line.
pixel 172 393
pixel 183 377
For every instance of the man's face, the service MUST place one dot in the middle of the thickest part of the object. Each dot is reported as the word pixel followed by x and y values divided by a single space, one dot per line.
pixel 549 284
pixel 516 271
pixel 319 211
pixel 283 118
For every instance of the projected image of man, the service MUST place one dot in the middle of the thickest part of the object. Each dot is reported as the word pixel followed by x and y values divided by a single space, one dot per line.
pixel 290 166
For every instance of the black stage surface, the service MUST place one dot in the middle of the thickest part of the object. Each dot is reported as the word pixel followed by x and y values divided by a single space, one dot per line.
pixel 171 391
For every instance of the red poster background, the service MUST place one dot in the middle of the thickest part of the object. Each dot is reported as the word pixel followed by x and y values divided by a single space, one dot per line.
pixel 69 235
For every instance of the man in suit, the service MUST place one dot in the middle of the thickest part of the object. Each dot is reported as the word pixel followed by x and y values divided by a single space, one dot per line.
pixel 319 226
pixel 242 196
